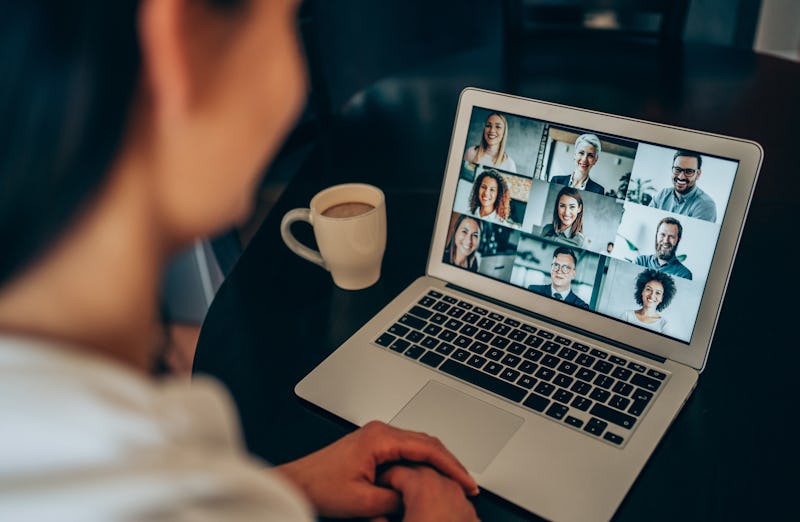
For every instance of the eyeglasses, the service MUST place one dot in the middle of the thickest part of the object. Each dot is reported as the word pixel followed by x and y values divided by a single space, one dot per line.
pixel 688 172
pixel 564 269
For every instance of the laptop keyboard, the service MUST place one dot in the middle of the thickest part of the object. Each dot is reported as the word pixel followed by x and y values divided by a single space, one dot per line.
pixel 583 387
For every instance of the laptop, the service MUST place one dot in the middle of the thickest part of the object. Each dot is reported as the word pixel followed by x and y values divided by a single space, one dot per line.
pixel 562 321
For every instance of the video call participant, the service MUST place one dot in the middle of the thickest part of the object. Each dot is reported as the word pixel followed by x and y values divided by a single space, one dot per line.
pixel 567 225
pixel 490 199
pixel 463 243
pixel 563 270
pixel 107 174
pixel 668 237
pixel 492 148
pixel 685 197
pixel 587 152
pixel 653 293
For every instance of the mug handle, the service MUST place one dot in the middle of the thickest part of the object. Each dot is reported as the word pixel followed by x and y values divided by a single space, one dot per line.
pixel 309 254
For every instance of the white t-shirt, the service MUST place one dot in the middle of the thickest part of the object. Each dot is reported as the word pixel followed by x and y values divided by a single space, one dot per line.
pixel 85 439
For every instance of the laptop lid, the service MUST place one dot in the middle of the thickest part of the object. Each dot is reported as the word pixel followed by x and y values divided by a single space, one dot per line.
pixel 645 245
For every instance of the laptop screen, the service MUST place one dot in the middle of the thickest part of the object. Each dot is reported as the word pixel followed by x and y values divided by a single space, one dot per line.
pixel 611 224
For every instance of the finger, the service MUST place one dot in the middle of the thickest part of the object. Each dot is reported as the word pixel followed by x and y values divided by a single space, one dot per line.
pixel 379 500
pixel 418 447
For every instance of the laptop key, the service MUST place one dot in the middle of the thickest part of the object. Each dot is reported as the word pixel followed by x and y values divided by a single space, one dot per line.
pixel 545 373
pixel 441 306
pixel 595 426
pixel 657 374
pixel 567 353
pixel 637 367
pixel 493 368
pixel 385 339
pixel 563 380
pixel 478 347
pixel 533 341
pixel 621 373
pixel 563 340
pixel 438 318
pixel 447 335
pixel 603 366
pixel 550 361
pixel 445 348
pixel 430 342
pixel 465 305
pixel 563 396
pixel 585 360
pixel 476 361
pixel 455 312
pixel 567 367
pixel 618 360
pixel 551 347
pixel 454 324
pixel 398 330
pixel 517 335
pixel 622 388
pixel 480 311
pixel 526 381
pixel 496 316
pixel 434 293
pixel 581 403
pixel 432 359
pixel 599 354
pixel 511 360
pixel 484 336
pixel 536 402
pixel 600 395
pixel 427 301
pixel 420 312
pixel 399 345
pixel 462 341
pixel 532 355
pixel 581 387
pixel 645 382
pixel 544 388
pixel 580 347
pixel 482 380
pixel 486 323
pixel 557 411
pixel 471 318
pixel 515 348
pixel 469 330
pixel 528 367
pixel 450 299
pixel 414 352
pixel 573 421
pixel 611 415
pixel 509 374
pixel 511 322
pixel 545 334
pixel 619 402
pixel 613 437
pixel 415 336
pixel 585 374
pixel 494 354
pixel 460 355
pixel 501 329
pixel 528 328
pixel 604 381
pixel 413 322
pixel 432 329
pixel 500 342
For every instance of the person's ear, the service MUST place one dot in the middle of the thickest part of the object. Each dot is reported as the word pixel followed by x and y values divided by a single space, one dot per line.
pixel 165 56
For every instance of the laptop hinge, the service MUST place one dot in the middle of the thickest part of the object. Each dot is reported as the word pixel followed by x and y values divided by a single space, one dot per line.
pixel 622 346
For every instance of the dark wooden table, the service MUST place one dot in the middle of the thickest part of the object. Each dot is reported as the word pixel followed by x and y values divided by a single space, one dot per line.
pixel 732 452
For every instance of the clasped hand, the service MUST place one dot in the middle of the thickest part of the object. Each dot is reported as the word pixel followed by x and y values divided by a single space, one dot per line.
pixel 381 470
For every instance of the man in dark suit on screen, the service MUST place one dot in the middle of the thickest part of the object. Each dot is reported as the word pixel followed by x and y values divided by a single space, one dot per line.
pixel 562 272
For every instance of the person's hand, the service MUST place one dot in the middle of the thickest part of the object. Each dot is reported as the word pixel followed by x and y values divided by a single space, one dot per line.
pixel 427 495
pixel 339 479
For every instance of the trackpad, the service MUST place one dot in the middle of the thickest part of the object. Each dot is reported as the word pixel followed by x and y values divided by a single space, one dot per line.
pixel 473 430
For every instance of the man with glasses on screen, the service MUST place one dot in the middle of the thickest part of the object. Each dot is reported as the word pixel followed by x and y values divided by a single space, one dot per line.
pixel 562 272
pixel 685 197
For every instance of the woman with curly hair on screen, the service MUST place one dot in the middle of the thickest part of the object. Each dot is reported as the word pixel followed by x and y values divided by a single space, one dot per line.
pixel 654 292
pixel 490 199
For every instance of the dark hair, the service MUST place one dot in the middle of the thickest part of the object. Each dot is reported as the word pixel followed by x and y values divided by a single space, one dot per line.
pixel 688 154
pixel 502 204
pixel 567 252
pixel 572 192
pixel 671 221
pixel 70 70
pixel 665 280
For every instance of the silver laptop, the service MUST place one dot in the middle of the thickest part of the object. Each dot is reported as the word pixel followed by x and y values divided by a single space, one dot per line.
pixel 577 269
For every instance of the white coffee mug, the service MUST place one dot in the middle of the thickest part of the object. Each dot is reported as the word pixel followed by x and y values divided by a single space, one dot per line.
pixel 351 237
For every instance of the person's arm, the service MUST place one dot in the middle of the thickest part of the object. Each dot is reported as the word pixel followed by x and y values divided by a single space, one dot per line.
pixel 340 479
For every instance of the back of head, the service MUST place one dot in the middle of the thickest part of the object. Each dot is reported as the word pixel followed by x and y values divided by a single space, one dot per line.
pixel 69 71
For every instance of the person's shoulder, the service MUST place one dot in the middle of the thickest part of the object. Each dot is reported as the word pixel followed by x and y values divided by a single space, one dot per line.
pixel 642 260
pixel 576 300
pixel 469 154
pixel 560 180
pixel 540 289
pixel 593 186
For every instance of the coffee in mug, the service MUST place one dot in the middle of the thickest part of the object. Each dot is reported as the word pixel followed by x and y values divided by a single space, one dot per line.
pixel 347 209
pixel 349 224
